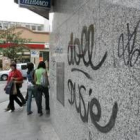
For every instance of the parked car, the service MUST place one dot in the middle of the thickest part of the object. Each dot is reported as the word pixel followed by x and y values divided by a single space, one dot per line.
pixel 21 66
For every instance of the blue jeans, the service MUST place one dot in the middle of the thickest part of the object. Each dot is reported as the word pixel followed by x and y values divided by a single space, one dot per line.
pixel 30 92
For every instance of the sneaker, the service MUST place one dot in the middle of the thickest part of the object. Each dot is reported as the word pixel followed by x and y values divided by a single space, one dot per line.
pixel 29 113
pixel 24 104
pixel 11 111
pixel 20 108
pixel 7 109
pixel 40 114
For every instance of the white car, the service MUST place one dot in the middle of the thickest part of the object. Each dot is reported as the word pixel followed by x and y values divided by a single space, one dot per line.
pixel 21 66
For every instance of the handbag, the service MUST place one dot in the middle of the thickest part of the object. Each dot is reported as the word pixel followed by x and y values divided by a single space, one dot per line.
pixel 19 83
pixel 14 89
pixel 9 87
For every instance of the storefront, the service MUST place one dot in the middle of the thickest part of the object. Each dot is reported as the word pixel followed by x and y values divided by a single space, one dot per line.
pixel 39 42
pixel 26 56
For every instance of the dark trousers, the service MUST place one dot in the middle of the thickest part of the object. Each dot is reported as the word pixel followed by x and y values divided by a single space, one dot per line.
pixel 20 96
pixel 11 104
pixel 13 98
pixel 39 90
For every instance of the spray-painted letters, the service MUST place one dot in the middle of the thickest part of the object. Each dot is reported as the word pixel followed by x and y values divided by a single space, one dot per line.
pixel 88 111
pixel 128 49
pixel 82 50
pixel 78 49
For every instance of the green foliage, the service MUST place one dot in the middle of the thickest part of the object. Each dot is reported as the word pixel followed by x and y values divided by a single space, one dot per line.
pixel 16 44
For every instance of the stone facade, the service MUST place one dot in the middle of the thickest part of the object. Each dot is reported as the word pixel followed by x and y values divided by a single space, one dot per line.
pixel 95 49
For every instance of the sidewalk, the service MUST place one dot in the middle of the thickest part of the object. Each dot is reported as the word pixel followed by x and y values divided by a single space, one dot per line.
pixel 20 126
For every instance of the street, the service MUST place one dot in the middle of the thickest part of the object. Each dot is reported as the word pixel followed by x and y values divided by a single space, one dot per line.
pixel 4 97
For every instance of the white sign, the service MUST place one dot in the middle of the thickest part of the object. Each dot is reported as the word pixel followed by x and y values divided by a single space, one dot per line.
pixel 34 53
pixel 46 45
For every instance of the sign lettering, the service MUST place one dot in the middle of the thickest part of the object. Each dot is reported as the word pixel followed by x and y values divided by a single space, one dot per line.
pixel 38 3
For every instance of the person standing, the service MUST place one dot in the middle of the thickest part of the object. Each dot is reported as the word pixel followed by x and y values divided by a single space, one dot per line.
pixel 41 89
pixel 30 86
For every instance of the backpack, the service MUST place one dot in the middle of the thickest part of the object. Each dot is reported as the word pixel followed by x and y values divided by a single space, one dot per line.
pixel 44 79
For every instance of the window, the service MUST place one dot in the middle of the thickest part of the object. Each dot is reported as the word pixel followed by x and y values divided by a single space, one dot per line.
pixel 39 28
pixel 41 54
pixel 12 25
pixel 27 26
pixel 5 25
pixel 33 27
pixel 0 64
pixel 18 24
pixel 0 26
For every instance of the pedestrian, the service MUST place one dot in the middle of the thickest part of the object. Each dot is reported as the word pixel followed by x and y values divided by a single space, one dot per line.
pixel 30 86
pixel 15 76
pixel 41 89
pixel 19 92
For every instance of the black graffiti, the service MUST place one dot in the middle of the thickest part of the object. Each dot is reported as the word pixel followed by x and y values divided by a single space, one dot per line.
pixel 78 50
pixel 86 111
pixel 85 73
pixel 129 50
pixel 89 136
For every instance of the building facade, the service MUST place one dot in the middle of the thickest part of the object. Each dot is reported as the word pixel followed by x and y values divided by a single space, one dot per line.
pixel 96 44
pixel 94 69
pixel 38 47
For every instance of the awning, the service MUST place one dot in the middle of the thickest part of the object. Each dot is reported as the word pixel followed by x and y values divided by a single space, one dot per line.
pixel 31 46
pixel 42 11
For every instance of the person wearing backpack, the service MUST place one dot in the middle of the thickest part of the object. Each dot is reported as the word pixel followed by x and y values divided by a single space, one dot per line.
pixel 30 86
pixel 41 80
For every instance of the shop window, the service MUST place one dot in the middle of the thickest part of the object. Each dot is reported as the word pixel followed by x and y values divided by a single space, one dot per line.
pixel 41 54
pixel 45 55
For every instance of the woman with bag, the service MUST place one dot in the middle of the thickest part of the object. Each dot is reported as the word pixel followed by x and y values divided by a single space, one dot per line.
pixel 30 86
pixel 14 76
pixel 41 88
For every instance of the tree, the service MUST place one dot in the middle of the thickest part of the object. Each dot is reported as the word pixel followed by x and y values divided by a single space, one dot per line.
pixel 16 44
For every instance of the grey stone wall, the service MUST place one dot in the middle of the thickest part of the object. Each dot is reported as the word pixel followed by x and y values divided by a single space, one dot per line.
pixel 98 41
